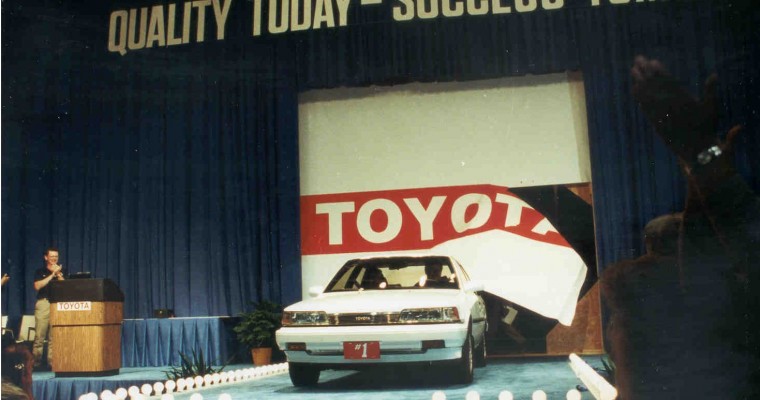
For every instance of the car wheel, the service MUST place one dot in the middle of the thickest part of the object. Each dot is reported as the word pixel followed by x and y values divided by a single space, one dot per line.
pixel 462 371
pixel 303 374
pixel 480 353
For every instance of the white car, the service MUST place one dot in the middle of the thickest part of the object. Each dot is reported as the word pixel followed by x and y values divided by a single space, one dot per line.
pixel 384 310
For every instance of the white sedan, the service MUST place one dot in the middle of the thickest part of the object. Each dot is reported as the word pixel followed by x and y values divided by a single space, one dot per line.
pixel 383 310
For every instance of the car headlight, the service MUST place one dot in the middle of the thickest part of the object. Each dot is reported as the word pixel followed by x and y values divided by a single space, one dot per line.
pixel 304 318
pixel 435 315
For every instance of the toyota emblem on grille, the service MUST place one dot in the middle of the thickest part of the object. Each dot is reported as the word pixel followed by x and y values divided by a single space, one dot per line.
pixel 363 318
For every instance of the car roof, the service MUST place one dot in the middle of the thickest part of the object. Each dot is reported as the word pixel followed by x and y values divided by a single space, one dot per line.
pixel 400 256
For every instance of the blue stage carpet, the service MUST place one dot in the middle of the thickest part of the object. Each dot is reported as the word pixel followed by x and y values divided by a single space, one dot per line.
pixel 519 376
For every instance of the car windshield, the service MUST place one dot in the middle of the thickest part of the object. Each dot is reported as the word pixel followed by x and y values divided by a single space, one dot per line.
pixel 395 273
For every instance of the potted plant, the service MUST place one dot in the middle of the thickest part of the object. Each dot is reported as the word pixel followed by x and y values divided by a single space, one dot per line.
pixel 256 330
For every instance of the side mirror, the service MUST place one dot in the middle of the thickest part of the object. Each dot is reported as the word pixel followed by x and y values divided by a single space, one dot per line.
pixel 315 291
pixel 474 286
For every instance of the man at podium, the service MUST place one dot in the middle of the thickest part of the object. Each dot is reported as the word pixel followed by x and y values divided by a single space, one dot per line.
pixel 42 277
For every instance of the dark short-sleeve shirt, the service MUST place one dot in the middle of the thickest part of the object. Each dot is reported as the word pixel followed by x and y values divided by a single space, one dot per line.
pixel 39 274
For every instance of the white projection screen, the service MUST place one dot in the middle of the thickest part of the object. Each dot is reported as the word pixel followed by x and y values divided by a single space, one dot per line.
pixel 367 154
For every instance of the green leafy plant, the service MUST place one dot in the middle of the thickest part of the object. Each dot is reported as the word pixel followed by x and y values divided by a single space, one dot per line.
pixel 609 370
pixel 257 328
pixel 196 366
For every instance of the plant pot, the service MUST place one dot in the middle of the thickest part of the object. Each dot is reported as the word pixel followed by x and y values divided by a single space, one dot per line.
pixel 261 355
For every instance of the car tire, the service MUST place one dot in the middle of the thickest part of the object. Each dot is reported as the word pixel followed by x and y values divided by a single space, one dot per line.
pixel 303 374
pixel 463 369
pixel 481 353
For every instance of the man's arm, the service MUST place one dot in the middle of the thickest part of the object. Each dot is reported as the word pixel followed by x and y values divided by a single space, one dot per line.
pixel 687 125
pixel 41 283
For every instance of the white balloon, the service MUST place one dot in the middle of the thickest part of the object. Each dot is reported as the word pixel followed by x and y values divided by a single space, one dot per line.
pixel 506 395
pixel 121 393
pixel 539 395
pixel 472 395
pixel 146 389
pixel 573 394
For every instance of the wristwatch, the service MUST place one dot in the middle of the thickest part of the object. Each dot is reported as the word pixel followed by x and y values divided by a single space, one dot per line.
pixel 708 155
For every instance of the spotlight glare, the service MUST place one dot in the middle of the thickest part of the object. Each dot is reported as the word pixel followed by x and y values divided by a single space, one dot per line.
pixel 472 395
pixel 438 395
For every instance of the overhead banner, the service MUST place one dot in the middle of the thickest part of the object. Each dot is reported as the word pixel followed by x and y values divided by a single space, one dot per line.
pixel 501 240
pixel 180 23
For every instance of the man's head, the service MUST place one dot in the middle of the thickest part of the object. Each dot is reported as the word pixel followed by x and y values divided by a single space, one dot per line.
pixel 51 257
pixel 373 273
pixel 661 235
pixel 433 270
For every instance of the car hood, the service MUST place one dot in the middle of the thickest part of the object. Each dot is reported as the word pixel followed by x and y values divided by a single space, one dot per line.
pixel 379 301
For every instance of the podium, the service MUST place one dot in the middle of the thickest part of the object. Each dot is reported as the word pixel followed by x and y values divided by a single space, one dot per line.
pixel 85 327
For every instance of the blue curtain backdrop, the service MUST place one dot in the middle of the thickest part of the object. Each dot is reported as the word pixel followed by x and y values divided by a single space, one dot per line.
pixel 174 171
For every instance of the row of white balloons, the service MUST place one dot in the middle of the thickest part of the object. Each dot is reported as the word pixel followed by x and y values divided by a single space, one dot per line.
pixel 572 394
pixel 182 384
pixel 471 395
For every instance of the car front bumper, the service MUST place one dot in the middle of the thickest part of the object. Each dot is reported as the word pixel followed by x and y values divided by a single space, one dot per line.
pixel 398 343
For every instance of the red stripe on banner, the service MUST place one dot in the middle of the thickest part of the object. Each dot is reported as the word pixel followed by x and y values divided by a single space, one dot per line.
pixel 414 219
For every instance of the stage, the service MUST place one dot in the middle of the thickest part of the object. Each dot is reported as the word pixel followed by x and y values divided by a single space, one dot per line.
pixel 520 376
pixel 151 346
pixel 148 348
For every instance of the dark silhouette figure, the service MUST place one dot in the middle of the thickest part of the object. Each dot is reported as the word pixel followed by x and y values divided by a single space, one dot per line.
pixel 684 316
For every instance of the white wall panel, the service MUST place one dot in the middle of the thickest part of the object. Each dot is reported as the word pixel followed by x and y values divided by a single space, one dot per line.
pixel 523 131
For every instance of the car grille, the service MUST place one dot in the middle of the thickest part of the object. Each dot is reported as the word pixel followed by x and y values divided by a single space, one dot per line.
pixel 364 319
